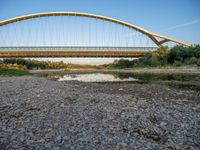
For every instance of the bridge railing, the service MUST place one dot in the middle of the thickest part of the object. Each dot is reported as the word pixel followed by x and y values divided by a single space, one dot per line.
pixel 72 48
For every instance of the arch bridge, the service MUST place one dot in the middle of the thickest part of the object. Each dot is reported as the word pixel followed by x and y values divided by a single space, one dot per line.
pixel 82 35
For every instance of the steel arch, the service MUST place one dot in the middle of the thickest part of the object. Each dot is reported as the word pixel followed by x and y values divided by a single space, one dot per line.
pixel 151 35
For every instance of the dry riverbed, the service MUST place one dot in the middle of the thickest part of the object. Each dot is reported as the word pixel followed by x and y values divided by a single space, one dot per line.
pixel 40 113
pixel 164 70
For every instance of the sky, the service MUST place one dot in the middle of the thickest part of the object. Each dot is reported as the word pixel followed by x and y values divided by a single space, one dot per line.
pixel 179 19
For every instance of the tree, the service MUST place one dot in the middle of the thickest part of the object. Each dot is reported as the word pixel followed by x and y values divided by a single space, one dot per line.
pixel 175 54
pixel 162 55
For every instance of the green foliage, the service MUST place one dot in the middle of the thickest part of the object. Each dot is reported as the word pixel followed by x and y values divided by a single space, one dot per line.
pixel 145 61
pixel 154 61
pixel 186 55
pixel 13 72
pixel 123 63
pixel 162 52
pixel 162 55
pixel 177 63
pixel 176 56
pixel 191 61
pixel 34 64
pixel 196 51
pixel 198 62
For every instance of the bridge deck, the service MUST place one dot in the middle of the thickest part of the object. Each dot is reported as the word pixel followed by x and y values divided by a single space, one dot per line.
pixel 76 48
pixel 9 54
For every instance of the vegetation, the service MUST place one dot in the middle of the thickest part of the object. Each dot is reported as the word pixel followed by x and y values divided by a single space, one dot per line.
pixel 33 64
pixel 24 64
pixel 13 72
pixel 177 56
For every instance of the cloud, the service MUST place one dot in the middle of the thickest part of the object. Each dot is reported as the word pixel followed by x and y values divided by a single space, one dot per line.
pixel 183 25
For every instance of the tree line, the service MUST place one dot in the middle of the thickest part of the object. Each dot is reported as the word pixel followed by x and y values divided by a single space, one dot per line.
pixel 176 56
pixel 33 64
pixel 164 56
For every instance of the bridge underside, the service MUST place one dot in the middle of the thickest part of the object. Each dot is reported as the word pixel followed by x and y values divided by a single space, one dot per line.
pixel 26 54
pixel 12 52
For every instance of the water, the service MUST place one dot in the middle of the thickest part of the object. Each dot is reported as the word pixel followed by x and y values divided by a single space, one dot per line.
pixel 176 80
pixel 95 77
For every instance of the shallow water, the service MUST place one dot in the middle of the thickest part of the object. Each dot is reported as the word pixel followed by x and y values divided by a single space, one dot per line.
pixel 187 81
pixel 95 77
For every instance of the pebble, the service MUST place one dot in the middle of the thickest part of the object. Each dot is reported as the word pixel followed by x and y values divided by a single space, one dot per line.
pixel 58 139
pixel 39 113
pixel 162 124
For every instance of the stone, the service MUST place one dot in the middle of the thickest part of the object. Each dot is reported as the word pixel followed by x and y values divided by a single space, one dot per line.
pixel 142 116
pixel 163 124
pixel 13 137
pixel 58 139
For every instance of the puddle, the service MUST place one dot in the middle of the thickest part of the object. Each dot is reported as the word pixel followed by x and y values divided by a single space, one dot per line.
pixel 96 77
pixel 186 81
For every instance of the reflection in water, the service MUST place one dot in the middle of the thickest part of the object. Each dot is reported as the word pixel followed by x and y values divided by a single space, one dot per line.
pixel 178 80
pixel 95 77
pixel 188 81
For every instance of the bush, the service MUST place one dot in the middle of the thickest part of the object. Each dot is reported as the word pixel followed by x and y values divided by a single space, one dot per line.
pixel 123 63
pixel 177 63
pixel 154 61
pixel 191 61
pixel 184 54
pixel 176 56
pixel 34 64
pixel 197 51
pixel 198 63
pixel 162 54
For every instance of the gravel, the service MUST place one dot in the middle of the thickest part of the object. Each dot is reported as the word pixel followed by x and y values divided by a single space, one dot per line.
pixel 39 113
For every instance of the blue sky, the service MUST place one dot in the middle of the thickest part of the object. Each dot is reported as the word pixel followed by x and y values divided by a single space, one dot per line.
pixel 179 19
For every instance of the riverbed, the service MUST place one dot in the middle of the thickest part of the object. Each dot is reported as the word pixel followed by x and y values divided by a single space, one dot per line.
pixel 41 112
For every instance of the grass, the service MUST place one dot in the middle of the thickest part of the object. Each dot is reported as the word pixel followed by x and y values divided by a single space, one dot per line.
pixel 13 72
pixel 180 84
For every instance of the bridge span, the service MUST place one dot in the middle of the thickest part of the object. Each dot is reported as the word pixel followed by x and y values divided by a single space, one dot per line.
pixel 7 52
pixel 76 34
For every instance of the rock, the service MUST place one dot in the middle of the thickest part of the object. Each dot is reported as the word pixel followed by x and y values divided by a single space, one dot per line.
pixel 62 105
pixel 66 138
pixel 163 124
pixel 122 145
pixel 135 98
pixel 22 138
pixel 97 116
pixel 13 137
pixel 58 139
pixel 56 148
pixel 121 89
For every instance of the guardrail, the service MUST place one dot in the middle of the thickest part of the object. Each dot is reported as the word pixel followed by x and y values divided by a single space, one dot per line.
pixel 15 54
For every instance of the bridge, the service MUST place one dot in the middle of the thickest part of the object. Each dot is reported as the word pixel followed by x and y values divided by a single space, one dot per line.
pixel 76 34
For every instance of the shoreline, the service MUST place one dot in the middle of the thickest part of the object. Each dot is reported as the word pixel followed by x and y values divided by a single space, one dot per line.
pixel 182 70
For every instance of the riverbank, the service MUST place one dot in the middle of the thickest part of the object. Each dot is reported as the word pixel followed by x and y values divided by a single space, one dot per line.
pixel 164 70
pixel 13 72
pixel 40 113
